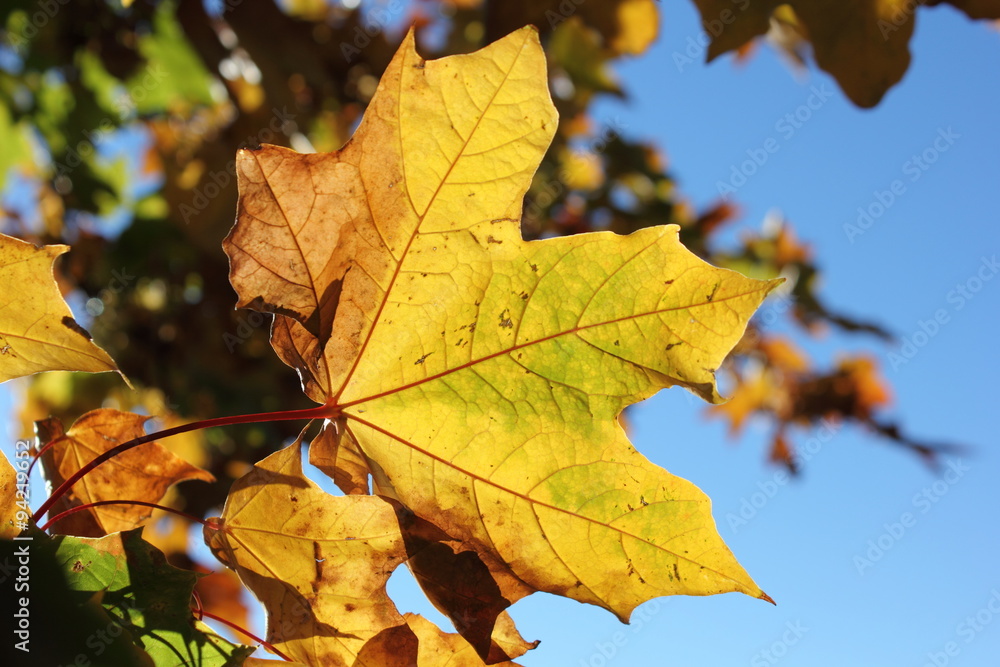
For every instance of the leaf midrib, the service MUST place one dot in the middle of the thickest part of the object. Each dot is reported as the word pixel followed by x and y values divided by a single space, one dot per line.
pixel 420 218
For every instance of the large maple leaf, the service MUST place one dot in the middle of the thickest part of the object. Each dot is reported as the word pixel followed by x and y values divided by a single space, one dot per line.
pixel 476 377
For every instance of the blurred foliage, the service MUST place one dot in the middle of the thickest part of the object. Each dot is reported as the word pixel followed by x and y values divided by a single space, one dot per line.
pixel 120 123
pixel 863 44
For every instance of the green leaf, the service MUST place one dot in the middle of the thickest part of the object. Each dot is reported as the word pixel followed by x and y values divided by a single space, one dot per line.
pixel 147 596
pixel 176 78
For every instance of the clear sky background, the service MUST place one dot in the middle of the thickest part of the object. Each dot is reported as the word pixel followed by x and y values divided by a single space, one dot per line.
pixel 930 583
pixel 802 544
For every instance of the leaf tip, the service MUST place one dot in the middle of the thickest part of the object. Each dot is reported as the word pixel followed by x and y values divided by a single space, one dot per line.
pixel 766 598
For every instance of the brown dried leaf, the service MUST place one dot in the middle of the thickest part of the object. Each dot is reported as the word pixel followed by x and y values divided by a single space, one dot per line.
pixel 143 473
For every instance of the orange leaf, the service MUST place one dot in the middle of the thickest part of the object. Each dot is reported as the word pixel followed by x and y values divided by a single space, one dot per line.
pixel 143 473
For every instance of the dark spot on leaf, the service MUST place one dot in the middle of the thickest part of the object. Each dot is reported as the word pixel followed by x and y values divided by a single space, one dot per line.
pixel 505 320
pixel 71 324
pixel 421 359
pixel 490 239
pixel 671 346
pixel 78 566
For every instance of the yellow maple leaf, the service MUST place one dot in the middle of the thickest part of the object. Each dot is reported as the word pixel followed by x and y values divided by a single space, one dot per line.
pixel 319 564
pixel 37 329
pixel 477 376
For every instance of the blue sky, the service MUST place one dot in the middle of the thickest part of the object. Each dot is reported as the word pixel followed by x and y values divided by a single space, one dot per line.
pixel 938 566
pixel 931 251
pixel 872 558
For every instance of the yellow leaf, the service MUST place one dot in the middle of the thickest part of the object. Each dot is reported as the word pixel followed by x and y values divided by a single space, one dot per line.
pixel 442 648
pixel 751 395
pixel 318 563
pixel 37 329
pixel 143 473
pixel 13 515
pixel 639 23
pixel 581 170
pixel 471 592
pixel 336 454
pixel 478 375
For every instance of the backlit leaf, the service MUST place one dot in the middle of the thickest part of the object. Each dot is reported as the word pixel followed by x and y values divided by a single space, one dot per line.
pixel 146 596
pixel 37 329
pixel 143 473
pixel 479 376
pixel 319 564
pixel 10 513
